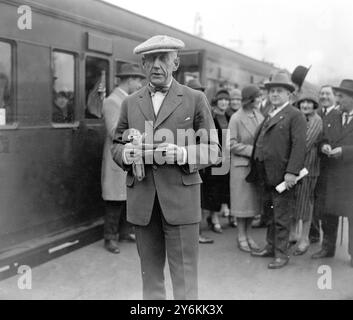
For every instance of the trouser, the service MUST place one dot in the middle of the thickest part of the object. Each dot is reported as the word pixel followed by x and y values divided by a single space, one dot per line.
pixel 115 220
pixel 280 216
pixel 180 244
pixel 350 238
pixel 329 224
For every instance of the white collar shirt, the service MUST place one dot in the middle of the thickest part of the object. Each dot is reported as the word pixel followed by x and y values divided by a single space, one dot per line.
pixel 347 117
pixel 277 110
pixel 158 98
pixel 326 111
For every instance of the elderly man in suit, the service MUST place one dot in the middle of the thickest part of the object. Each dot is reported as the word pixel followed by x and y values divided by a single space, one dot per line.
pixel 335 196
pixel 164 202
pixel 329 223
pixel 113 177
pixel 278 155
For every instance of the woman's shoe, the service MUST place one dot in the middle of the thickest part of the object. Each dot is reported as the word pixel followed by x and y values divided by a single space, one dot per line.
pixel 253 245
pixel 232 221
pixel 243 245
pixel 301 249
pixel 216 227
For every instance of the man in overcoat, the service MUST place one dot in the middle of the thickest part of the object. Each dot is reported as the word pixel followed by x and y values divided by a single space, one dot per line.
pixel 113 177
pixel 164 204
pixel 338 148
pixel 278 155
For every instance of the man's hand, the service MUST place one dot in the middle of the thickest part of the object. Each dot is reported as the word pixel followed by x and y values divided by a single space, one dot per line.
pixel 326 149
pixel 172 153
pixel 335 153
pixel 132 153
pixel 290 180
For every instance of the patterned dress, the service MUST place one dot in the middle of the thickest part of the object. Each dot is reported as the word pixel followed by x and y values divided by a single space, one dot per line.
pixel 305 188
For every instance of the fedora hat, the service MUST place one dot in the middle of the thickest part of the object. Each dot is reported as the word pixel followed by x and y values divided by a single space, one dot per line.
pixel 280 79
pixel 130 70
pixel 195 84
pixel 299 74
pixel 159 43
pixel 346 86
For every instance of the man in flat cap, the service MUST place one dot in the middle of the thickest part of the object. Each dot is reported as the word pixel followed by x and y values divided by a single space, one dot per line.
pixel 164 203
pixel 278 155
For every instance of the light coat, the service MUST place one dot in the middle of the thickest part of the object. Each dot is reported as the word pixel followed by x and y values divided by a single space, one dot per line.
pixel 113 177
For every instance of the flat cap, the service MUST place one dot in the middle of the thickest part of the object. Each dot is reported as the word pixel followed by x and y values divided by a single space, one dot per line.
pixel 160 43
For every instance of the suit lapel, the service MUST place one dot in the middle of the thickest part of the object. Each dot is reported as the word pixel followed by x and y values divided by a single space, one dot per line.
pixel 278 117
pixel 172 100
pixel 145 105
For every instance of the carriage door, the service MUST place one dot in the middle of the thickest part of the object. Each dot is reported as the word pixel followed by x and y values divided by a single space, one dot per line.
pixel 191 66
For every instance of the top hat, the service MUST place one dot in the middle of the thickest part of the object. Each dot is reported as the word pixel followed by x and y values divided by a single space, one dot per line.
pixel 299 74
pixel 195 84
pixel 249 93
pixel 160 43
pixel 280 79
pixel 130 70
pixel 346 86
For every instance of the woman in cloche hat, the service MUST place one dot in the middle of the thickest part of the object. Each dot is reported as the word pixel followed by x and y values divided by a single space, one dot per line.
pixel 308 104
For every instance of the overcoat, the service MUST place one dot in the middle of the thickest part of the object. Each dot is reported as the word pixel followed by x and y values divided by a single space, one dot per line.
pixel 113 177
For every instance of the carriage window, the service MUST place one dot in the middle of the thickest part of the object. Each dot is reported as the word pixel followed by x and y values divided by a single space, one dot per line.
pixel 97 80
pixel 6 98
pixel 64 87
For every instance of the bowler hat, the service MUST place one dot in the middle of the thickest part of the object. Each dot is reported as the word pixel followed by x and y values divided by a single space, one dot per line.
pixel 249 93
pixel 130 70
pixel 280 79
pixel 346 86
pixel 299 74
pixel 195 84
pixel 309 97
pixel 159 43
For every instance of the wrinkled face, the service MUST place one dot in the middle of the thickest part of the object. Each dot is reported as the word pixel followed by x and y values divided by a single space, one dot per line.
pixel 326 97
pixel 346 102
pixel 307 107
pixel 278 96
pixel 235 104
pixel 134 84
pixel 222 104
pixel 160 66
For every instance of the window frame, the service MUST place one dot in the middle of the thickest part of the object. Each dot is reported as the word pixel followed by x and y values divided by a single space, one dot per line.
pixel 13 45
pixel 94 121
pixel 76 110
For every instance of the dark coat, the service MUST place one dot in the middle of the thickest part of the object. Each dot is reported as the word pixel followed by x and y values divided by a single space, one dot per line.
pixel 283 145
pixel 336 193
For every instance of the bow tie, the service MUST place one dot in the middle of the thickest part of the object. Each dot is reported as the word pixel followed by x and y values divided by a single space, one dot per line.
pixel 161 89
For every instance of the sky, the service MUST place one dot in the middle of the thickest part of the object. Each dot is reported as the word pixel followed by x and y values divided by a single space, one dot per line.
pixel 284 32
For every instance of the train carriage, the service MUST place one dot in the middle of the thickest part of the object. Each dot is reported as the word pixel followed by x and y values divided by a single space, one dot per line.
pixel 50 162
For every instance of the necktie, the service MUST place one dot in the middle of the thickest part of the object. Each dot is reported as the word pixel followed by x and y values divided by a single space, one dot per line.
pixel 325 111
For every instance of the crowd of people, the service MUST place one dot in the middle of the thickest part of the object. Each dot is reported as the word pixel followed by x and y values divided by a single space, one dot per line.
pixel 245 113
pixel 265 134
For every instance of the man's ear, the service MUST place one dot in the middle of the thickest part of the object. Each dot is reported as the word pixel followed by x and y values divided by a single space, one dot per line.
pixel 176 64
pixel 143 62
